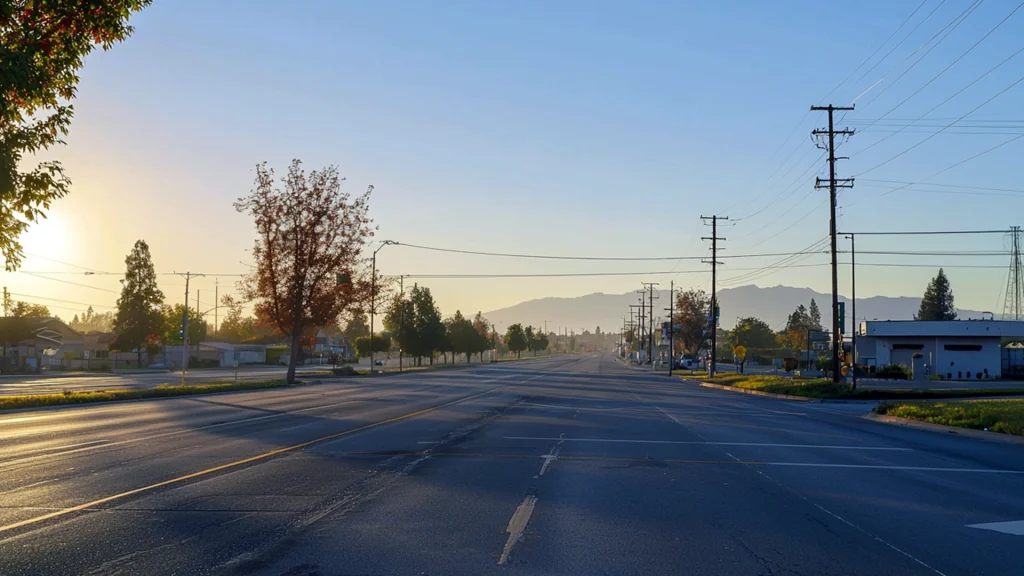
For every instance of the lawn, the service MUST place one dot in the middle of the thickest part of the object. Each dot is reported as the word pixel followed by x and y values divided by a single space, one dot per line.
pixel 824 388
pixel 162 391
pixel 1006 416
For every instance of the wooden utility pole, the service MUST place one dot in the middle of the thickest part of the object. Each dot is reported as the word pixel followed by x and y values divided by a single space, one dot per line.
pixel 833 184
pixel 713 315
pixel 671 325
pixel 650 320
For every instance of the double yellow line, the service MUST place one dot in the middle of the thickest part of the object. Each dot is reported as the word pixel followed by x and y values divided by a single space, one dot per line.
pixel 229 465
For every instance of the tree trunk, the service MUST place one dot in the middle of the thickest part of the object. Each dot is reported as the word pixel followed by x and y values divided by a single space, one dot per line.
pixel 293 358
pixel 138 356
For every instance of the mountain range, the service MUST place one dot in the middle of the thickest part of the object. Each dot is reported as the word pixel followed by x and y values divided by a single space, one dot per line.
pixel 773 305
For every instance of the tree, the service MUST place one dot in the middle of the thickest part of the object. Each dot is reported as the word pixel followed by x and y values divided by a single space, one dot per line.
pixel 428 327
pixel 937 303
pixel 234 327
pixel 799 320
pixel 381 343
pixel 42 47
pixel 483 330
pixel 399 319
pixel 752 333
pixel 139 320
pixel 172 324
pixel 310 239
pixel 814 316
pixel 356 326
pixel 462 335
pixel 515 339
pixel 91 321
pixel 692 307
pixel 29 310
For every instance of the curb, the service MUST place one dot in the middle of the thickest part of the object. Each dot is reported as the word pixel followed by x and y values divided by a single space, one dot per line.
pixel 760 393
pixel 943 429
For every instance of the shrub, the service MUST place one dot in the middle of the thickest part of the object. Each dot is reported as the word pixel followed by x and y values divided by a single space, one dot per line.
pixel 344 371
pixel 893 372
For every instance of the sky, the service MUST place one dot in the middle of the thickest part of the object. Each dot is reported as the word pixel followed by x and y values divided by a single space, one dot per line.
pixel 560 128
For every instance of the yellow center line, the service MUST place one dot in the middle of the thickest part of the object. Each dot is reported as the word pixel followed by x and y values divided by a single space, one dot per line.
pixel 230 465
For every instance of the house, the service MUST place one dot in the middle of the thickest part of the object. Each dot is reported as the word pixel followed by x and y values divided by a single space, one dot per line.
pixel 329 340
pixel 223 354
pixel 31 344
pixel 955 349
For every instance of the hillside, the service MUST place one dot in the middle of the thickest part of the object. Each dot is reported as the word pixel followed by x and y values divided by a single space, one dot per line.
pixel 773 305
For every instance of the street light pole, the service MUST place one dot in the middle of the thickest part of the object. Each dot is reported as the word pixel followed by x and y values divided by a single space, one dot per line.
pixel 373 295
pixel 853 311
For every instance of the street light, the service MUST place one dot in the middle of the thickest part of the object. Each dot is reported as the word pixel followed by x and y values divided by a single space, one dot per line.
pixel 373 294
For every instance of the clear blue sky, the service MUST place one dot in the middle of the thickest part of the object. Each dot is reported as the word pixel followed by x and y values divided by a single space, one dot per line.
pixel 570 127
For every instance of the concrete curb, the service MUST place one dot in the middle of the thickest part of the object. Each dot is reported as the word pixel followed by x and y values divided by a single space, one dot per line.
pixel 760 393
pixel 943 429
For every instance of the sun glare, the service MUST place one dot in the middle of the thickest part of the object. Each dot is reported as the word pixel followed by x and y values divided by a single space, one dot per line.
pixel 48 238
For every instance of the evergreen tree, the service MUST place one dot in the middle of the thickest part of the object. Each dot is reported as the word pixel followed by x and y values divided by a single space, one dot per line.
pixel 815 316
pixel 139 320
pixel 937 303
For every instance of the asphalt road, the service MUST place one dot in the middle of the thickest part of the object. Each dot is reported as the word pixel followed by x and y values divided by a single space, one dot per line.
pixel 572 465
pixel 16 385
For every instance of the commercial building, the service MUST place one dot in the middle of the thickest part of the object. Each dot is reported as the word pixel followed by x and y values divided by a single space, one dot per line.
pixel 955 350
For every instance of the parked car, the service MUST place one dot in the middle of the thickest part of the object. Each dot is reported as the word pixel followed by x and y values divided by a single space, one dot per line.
pixel 379 363
pixel 156 365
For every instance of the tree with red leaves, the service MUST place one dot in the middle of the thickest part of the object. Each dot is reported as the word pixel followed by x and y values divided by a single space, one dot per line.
pixel 308 251
pixel 42 46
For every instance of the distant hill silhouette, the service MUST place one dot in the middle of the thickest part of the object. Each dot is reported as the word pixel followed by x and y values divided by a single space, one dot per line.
pixel 773 305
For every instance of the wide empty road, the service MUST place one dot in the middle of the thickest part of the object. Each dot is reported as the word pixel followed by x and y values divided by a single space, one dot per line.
pixel 572 465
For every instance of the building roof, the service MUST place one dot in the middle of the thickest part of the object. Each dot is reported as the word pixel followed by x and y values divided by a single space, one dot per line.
pixel 943 328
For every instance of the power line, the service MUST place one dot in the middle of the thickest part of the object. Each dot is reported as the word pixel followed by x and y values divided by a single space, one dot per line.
pixel 584 258
pixel 954 62
pixel 59 300
pixel 925 232
pixel 964 161
pixel 71 283
pixel 954 95
pixel 975 109
pixel 945 32
pixel 893 49
pixel 1018 190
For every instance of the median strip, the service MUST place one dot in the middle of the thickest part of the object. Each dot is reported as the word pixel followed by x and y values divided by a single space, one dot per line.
pixel 119 394
pixel 1004 416
pixel 817 389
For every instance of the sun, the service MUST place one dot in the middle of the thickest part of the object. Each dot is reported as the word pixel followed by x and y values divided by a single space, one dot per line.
pixel 47 238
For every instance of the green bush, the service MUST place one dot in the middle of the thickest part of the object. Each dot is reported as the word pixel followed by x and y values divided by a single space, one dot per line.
pixel 344 371
pixel 893 372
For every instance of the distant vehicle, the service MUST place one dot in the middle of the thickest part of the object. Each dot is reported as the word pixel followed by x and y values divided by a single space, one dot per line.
pixel 379 363
pixel 157 365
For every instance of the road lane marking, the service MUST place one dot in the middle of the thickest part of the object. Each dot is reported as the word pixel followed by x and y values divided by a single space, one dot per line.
pixel 700 443
pixel 235 464
pixel 517 525
pixel 890 467
pixel 1015 527
pixel 552 455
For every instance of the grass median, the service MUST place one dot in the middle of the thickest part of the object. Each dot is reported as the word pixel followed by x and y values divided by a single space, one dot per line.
pixel 161 391
pixel 1005 416
pixel 825 388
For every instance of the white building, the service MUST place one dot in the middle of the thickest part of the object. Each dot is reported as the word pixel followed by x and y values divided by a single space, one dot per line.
pixel 956 350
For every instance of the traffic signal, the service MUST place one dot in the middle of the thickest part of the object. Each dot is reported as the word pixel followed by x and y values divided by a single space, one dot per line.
pixel 842 317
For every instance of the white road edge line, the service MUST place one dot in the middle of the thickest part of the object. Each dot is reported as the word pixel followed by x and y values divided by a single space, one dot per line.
pixel 693 442
pixel 517 525
pixel 1015 527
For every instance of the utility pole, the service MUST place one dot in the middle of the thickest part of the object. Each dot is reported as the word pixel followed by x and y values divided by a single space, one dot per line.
pixel 401 317
pixel 671 325
pixel 650 321
pixel 216 302
pixel 638 324
pixel 833 184
pixel 184 327
pixel 714 285
pixel 853 305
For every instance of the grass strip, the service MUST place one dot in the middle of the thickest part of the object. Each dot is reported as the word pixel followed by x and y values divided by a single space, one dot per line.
pixel 161 391
pixel 1005 416
pixel 825 388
